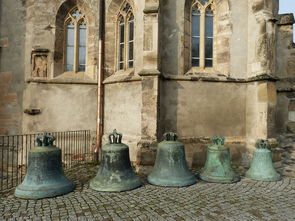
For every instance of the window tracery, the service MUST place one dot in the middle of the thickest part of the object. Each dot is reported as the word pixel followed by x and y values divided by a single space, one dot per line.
pixel 202 33
pixel 75 41
pixel 125 54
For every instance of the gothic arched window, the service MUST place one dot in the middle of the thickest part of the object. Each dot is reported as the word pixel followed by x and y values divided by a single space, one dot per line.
pixel 75 42
pixel 125 38
pixel 202 21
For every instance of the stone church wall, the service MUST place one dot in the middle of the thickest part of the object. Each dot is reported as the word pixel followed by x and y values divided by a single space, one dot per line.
pixel 249 93
pixel 285 116
pixel 67 101
pixel 12 42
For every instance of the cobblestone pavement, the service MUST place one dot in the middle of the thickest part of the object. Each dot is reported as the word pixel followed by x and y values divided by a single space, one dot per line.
pixel 245 200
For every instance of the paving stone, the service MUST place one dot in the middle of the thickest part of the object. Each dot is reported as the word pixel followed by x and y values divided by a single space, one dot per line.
pixel 245 200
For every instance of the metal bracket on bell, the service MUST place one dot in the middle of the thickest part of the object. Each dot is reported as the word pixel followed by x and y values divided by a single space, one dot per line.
pixel 218 141
pixel 170 136
pixel 262 144
pixel 45 140
pixel 115 138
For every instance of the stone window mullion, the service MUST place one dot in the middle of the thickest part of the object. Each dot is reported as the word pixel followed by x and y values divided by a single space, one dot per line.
pixel 76 48
pixel 202 39
pixel 126 43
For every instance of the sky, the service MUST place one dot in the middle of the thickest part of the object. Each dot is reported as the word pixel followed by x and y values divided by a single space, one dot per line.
pixel 288 6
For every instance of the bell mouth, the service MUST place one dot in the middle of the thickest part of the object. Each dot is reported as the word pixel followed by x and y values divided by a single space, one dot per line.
pixel 220 179
pixel 181 182
pixel 29 192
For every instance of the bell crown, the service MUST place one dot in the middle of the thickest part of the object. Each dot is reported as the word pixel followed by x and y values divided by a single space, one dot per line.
pixel 115 137
pixel 45 140
pixel 262 144
pixel 218 141
pixel 170 136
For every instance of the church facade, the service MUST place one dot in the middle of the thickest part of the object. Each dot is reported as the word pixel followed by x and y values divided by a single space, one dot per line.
pixel 195 67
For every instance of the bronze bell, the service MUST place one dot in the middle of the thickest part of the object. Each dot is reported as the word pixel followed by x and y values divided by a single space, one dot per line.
pixel 218 167
pixel 171 167
pixel 115 173
pixel 262 167
pixel 45 177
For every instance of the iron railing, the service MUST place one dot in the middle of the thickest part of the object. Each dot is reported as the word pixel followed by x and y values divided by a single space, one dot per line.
pixel 75 145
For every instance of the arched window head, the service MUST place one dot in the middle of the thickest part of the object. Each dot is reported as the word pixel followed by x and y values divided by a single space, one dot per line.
pixel 202 33
pixel 75 45
pixel 125 54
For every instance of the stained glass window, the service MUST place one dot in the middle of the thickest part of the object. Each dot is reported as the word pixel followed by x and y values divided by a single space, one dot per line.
pixel 209 38
pixel 196 37
pixel 121 43
pixel 130 41
pixel 70 46
pixel 202 36
pixel 125 38
pixel 76 40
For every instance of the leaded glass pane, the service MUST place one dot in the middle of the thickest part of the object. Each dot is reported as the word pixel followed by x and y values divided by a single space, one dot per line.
pixel 70 58
pixel 77 14
pixel 121 31
pixel 208 47
pixel 131 51
pixel 209 38
pixel 195 62
pixel 70 46
pixel 121 43
pixel 204 1
pixel 196 47
pixel 196 25
pixel 130 43
pixel 121 55
pixel 82 47
pixel 208 63
pixel 209 26
pixel 131 29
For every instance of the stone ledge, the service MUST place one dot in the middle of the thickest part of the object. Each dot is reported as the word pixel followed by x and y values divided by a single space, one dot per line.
pixel 61 81
pixel 121 78
pixel 220 78
pixel 149 72
pixel 286 85
pixel 286 19
pixel 151 9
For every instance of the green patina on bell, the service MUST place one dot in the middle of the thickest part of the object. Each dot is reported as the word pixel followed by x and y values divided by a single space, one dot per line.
pixel 262 167
pixel 45 177
pixel 218 167
pixel 115 173
pixel 171 167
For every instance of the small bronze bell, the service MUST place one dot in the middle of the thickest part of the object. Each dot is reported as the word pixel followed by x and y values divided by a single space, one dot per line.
pixel 171 167
pixel 218 167
pixel 115 173
pixel 262 167
pixel 45 177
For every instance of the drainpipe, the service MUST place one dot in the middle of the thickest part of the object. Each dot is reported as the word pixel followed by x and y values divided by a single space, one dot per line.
pixel 100 89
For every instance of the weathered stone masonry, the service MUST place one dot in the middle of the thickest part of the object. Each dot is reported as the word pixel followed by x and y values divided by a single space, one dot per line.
pixel 248 94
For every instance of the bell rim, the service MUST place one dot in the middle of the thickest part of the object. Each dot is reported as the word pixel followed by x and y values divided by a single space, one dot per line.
pixel 163 182
pixel 275 178
pixel 108 188
pixel 234 179
pixel 49 193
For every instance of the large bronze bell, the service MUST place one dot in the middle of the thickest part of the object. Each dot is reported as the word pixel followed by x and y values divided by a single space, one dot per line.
pixel 171 167
pixel 45 176
pixel 115 173
pixel 218 167
pixel 262 167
